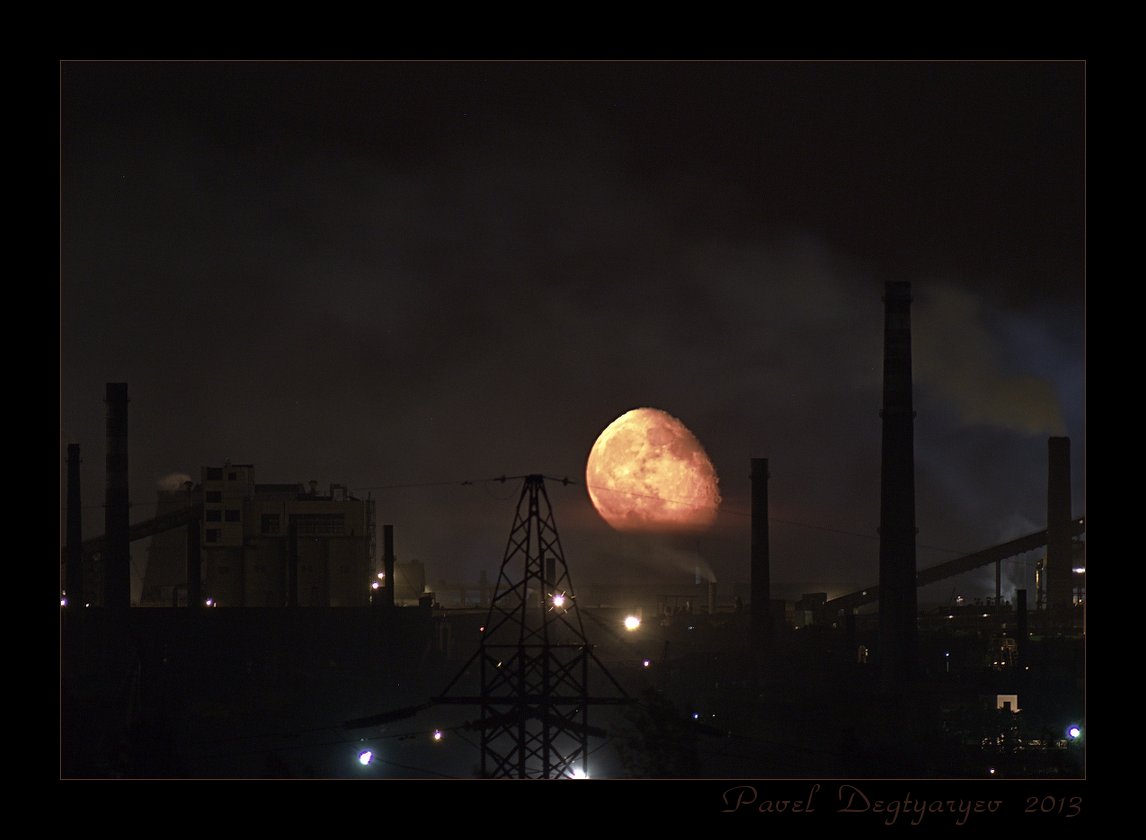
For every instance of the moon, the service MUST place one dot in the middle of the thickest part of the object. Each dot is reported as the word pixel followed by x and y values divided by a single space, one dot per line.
pixel 648 472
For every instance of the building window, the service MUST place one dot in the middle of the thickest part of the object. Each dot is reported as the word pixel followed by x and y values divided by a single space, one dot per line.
pixel 231 476
pixel 270 523
pixel 214 473
pixel 232 516
pixel 321 524
pixel 214 496
pixel 214 535
pixel 215 515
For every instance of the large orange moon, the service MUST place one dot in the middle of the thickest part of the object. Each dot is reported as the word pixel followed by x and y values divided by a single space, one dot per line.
pixel 648 472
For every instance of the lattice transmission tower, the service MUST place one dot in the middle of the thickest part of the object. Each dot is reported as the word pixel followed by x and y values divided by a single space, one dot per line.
pixel 535 661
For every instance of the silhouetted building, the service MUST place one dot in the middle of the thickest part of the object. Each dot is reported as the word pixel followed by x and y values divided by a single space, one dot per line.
pixel 268 545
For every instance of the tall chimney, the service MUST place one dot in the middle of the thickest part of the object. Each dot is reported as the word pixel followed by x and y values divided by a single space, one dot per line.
pixel 388 563
pixel 74 573
pixel 194 567
pixel 1021 622
pixel 117 551
pixel 761 588
pixel 1060 590
pixel 292 561
pixel 898 619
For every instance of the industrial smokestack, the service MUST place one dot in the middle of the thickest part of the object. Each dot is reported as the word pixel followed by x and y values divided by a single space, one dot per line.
pixel 1021 621
pixel 388 563
pixel 1060 590
pixel 292 561
pixel 74 573
pixel 117 551
pixel 761 588
pixel 898 620
pixel 194 567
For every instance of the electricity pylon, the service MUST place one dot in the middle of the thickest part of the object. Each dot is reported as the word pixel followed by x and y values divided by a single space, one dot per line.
pixel 534 657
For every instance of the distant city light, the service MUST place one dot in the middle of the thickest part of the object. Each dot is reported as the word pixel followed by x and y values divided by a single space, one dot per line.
pixel 632 622
pixel 365 757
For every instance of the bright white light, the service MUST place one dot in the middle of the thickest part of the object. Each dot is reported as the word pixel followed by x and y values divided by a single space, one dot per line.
pixel 632 622
pixel 437 734
pixel 365 757
pixel 578 773
pixel 1074 732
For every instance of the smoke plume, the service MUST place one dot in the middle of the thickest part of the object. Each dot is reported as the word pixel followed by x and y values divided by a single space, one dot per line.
pixel 955 356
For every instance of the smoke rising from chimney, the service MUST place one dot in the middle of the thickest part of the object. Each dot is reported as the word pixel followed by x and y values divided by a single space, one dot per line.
pixel 173 483
pixel 957 358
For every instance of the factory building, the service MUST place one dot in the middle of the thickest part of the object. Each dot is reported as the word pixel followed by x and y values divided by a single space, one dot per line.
pixel 270 545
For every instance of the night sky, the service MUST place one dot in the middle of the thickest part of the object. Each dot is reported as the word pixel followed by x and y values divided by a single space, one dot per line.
pixel 417 273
